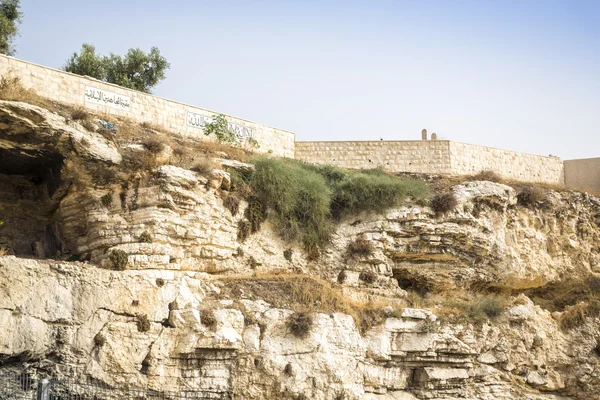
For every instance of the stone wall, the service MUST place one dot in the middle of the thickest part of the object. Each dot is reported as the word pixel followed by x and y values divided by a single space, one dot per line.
pixel 583 174
pixel 435 157
pixel 467 159
pixel 407 155
pixel 103 97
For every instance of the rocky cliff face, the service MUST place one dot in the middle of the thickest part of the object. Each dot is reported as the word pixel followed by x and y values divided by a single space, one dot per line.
pixel 199 309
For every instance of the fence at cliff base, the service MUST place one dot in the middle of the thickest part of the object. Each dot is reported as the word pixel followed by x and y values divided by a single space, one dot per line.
pixel 25 386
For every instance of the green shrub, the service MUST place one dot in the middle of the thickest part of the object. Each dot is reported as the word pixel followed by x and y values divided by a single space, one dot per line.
pixel 287 254
pixel 256 213
pixel 220 129
pixel 361 247
pixel 106 199
pixel 232 203
pixel 243 230
pixel 529 196
pixel 300 198
pixel 299 324
pixel 369 191
pixel 145 237
pixel 118 260
pixel 143 323
pixel 308 198
pixel 442 203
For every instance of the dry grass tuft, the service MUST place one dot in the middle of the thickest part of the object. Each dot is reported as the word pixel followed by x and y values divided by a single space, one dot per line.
pixel 574 316
pixel 424 257
pixel 204 165
pixel 531 196
pixel 305 294
pixel 476 309
pixel 11 89
pixel 487 175
pixel 368 276
pixel 79 114
pixel 360 247
pixel 443 203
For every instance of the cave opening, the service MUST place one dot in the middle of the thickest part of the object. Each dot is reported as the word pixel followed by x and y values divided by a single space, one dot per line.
pixel 29 186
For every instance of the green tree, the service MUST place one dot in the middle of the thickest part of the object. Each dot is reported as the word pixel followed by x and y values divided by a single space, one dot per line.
pixel 10 17
pixel 136 70
pixel 86 63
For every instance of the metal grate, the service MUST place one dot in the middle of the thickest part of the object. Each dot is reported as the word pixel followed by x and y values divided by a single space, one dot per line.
pixel 24 386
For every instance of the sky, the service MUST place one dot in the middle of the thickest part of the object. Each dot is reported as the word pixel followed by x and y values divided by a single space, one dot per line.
pixel 521 75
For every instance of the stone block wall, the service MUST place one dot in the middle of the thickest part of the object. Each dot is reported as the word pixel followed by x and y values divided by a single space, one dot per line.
pixel 433 157
pixel 583 174
pixel 99 96
pixel 420 156
pixel 468 159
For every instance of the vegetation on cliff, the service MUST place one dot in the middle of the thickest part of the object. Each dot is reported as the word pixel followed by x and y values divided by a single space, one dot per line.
pixel 307 200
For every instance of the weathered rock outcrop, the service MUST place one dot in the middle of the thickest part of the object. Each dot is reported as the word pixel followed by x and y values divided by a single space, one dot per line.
pixel 173 319
pixel 67 317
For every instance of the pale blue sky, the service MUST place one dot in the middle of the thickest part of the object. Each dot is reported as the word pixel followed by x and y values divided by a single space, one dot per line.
pixel 521 75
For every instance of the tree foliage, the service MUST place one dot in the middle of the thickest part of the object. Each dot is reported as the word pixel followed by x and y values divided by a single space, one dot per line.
pixel 10 17
pixel 136 70
pixel 220 129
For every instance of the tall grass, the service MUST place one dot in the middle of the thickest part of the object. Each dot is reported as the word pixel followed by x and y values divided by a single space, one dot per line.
pixel 307 199
pixel 300 198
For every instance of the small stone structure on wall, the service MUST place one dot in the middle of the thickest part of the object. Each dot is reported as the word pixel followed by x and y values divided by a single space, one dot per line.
pixel 177 117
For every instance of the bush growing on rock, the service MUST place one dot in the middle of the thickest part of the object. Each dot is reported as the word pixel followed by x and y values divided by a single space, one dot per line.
pixel 118 260
pixel 442 203
pixel 143 323
pixel 368 276
pixel 529 196
pixel 207 318
pixel 299 324
pixel 232 203
pixel 307 199
pixel 145 237
pixel 487 175
pixel 106 199
pixel 361 247
pixel 99 340
pixel 287 254
pixel 479 308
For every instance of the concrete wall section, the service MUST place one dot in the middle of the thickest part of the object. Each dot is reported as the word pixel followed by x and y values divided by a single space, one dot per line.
pixel 583 174
pixel 411 156
pixel 468 159
pixel 141 107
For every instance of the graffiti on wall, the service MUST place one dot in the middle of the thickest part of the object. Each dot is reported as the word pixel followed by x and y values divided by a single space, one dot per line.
pixel 106 98
pixel 196 120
